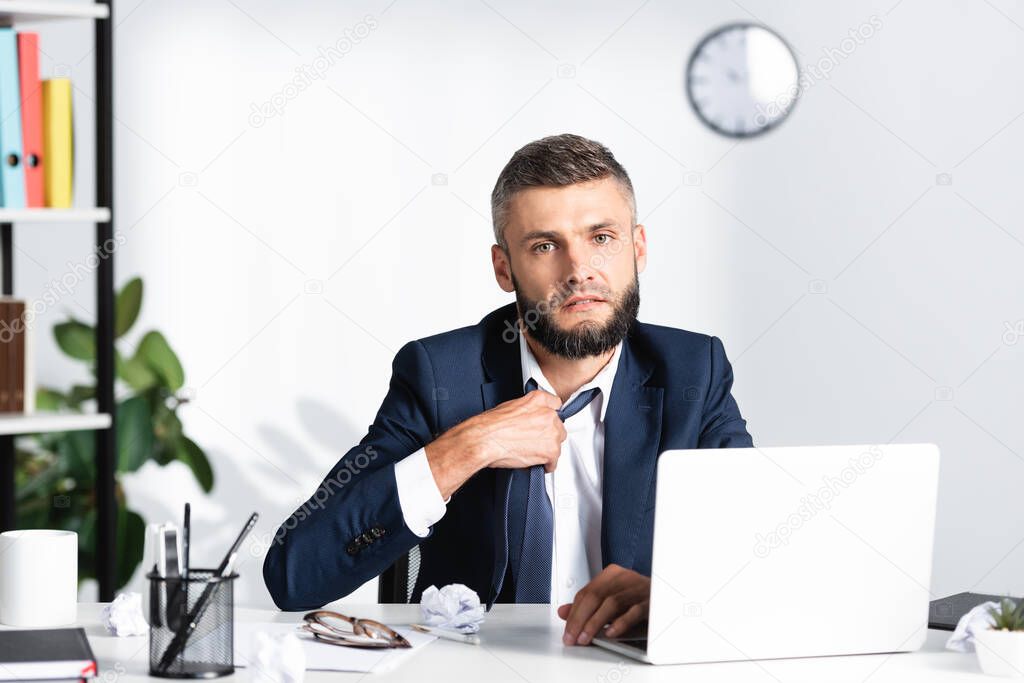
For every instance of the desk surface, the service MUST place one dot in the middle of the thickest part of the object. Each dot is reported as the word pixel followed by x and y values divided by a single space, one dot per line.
pixel 523 643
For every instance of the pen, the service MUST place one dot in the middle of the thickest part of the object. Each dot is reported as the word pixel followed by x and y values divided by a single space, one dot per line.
pixel 470 639
pixel 194 617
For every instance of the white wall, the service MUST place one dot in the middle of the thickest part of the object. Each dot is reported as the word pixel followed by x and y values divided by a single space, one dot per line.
pixel 286 262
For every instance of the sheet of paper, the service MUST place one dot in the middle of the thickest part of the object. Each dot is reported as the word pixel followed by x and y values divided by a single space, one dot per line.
pixel 326 657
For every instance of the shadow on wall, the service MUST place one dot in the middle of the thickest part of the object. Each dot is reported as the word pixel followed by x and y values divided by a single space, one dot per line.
pixel 332 436
pixel 274 476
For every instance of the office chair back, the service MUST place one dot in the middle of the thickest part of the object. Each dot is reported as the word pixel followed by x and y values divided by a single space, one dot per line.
pixel 398 581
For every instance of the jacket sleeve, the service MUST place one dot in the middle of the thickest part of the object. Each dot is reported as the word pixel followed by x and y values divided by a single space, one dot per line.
pixel 722 426
pixel 351 529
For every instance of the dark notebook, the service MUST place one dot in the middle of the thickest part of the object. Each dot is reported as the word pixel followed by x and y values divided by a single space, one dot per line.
pixel 944 613
pixel 45 653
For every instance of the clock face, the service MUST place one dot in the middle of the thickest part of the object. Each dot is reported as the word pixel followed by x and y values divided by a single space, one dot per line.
pixel 742 80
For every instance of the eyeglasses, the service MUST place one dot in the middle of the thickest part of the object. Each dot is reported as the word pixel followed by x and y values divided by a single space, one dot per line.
pixel 338 629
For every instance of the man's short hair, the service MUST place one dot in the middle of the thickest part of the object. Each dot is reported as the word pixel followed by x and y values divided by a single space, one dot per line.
pixel 554 161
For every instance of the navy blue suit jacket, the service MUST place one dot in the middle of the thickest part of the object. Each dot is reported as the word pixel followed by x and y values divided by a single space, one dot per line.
pixel 672 390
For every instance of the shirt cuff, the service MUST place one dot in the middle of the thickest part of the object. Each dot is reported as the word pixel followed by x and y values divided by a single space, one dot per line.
pixel 418 496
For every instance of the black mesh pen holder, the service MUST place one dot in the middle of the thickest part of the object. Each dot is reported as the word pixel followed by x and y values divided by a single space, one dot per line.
pixel 176 648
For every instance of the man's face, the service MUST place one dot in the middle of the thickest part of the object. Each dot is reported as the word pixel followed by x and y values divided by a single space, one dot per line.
pixel 573 258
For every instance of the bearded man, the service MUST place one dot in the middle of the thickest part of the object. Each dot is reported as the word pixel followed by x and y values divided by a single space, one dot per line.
pixel 518 454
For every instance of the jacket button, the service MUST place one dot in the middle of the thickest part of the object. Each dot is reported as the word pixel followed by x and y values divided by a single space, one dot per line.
pixel 378 531
pixel 353 548
pixel 364 538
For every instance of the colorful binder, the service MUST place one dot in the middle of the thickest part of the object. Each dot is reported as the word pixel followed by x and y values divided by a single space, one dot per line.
pixel 12 177
pixel 57 142
pixel 31 117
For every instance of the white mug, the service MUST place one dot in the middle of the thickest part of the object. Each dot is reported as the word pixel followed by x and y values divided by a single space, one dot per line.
pixel 38 577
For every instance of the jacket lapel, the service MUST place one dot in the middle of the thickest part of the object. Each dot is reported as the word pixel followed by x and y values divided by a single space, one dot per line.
pixel 632 431
pixel 503 368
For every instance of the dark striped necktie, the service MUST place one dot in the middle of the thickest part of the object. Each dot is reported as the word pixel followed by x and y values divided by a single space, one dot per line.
pixel 530 530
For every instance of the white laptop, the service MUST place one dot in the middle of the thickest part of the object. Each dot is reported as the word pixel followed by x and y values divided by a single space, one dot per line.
pixel 762 553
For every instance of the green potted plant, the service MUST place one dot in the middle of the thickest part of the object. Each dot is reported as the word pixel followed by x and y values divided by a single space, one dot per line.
pixel 1000 647
pixel 55 472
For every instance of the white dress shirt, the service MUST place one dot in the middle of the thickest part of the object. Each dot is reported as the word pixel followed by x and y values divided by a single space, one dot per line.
pixel 574 488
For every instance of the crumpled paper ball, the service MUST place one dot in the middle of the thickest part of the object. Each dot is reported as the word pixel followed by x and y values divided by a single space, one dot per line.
pixel 455 607
pixel 123 616
pixel 278 658
pixel 978 619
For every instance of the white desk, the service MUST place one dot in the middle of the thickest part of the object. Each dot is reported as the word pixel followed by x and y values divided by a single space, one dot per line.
pixel 522 644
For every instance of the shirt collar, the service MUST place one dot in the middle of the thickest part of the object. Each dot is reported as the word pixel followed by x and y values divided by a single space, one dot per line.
pixel 603 380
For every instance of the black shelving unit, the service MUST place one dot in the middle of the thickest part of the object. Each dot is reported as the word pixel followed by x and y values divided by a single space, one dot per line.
pixel 103 423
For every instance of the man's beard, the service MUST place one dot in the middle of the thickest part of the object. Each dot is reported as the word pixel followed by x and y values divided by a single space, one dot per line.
pixel 587 338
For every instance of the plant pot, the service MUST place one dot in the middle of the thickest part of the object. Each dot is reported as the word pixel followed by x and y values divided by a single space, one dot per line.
pixel 1000 653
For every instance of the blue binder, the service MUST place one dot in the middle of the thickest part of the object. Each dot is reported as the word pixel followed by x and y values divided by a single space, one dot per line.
pixel 12 173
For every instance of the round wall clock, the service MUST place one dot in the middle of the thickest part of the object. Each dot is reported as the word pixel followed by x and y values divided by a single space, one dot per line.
pixel 742 80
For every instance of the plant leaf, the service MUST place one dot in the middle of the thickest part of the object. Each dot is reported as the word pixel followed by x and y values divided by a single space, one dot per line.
pixel 49 399
pixel 157 354
pixel 1006 617
pixel 34 516
pixel 135 373
pixel 40 485
pixel 134 434
pixel 79 394
pixel 131 533
pixel 86 531
pixel 78 449
pixel 76 339
pixel 168 432
pixel 126 310
pixel 192 455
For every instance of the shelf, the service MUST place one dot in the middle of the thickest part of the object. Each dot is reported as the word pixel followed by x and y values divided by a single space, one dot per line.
pixel 99 215
pixel 95 16
pixel 14 11
pixel 18 423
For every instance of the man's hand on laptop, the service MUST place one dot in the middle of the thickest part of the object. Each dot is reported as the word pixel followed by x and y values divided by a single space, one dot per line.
pixel 617 596
pixel 519 433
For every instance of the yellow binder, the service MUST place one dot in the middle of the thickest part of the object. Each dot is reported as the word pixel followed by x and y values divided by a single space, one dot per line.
pixel 58 146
